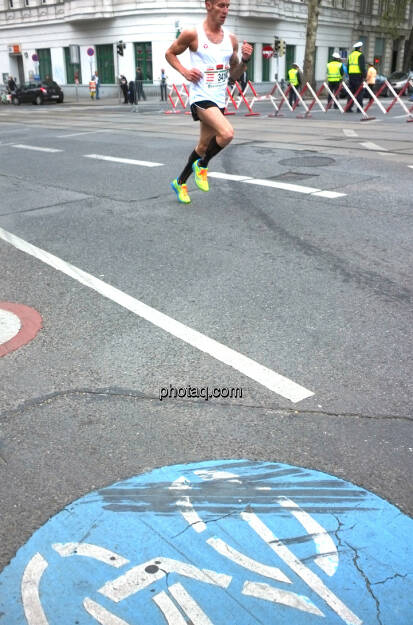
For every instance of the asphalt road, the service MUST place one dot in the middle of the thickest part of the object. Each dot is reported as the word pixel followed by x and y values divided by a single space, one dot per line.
pixel 316 288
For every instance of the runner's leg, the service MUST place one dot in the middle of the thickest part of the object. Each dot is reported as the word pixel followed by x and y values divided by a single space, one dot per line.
pixel 216 133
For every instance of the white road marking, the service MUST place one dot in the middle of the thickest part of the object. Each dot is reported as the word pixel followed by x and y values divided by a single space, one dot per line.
pixel 331 195
pixel 126 161
pixel 270 379
pixel 21 146
pixel 411 166
pixel 328 558
pixel 373 146
pixel 169 609
pixel 138 577
pixel 90 551
pixel 207 475
pixel 101 614
pixel 285 597
pixel 306 574
pixel 10 325
pixel 218 174
pixel 350 133
pixel 246 562
pixel 78 134
pixel 30 591
pixel 191 608
pixel 287 186
pixel 190 515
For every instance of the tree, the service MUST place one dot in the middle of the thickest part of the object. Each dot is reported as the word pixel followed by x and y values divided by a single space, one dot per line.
pixel 311 34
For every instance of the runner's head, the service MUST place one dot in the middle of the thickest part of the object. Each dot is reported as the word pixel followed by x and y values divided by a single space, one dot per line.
pixel 217 10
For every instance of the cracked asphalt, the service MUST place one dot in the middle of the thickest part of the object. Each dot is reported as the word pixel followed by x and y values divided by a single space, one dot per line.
pixel 316 289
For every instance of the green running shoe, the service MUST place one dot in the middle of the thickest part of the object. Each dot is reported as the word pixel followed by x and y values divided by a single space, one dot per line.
pixel 181 191
pixel 200 176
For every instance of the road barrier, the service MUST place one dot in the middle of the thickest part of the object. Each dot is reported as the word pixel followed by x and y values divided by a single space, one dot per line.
pixel 238 100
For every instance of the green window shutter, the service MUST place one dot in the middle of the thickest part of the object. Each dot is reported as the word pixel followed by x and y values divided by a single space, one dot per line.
pixel 45 63
pixel 105 64
pixel 71 69
pixel 143 59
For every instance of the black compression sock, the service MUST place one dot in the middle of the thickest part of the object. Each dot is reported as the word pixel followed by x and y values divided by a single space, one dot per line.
pixel 212 150
pixel 188 168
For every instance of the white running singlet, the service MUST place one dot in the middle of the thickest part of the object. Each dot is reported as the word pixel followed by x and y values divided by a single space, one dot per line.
pixel 212 59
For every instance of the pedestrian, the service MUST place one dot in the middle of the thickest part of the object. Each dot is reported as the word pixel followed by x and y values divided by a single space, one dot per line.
pixel 214 57
pixel 163 82
pixel 371 79
pixel 140 94
pixel 11 84
pixel 334 76
pixel 96 80
pixel 294 77
pixel 124 88
pixel 357 74
pixel 131 92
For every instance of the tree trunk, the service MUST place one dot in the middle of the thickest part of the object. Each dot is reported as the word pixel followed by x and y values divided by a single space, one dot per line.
pixel 312 25
pixel 408 53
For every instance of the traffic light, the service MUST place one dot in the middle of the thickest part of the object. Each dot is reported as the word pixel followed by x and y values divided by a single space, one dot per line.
pixel 281 50
pixel 276 45
pixel 120 46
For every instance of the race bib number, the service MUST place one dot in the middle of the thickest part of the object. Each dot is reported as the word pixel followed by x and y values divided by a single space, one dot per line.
pixel 216 78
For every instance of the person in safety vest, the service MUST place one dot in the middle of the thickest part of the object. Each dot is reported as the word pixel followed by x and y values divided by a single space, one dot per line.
pixel 335 73
pixel 356 74
pixel 294 78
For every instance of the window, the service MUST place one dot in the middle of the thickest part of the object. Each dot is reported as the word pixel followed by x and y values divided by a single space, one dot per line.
pixel 366 6
pixel 143 59
pixel 73 70
pixel 10 4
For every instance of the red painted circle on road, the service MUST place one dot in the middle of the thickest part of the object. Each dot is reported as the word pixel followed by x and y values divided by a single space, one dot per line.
pixel 31 323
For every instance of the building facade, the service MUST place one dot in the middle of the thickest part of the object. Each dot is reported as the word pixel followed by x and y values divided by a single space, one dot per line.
pixel 36 35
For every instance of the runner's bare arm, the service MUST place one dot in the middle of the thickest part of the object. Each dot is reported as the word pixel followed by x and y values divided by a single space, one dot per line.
pixel 238 67
pixel 187 39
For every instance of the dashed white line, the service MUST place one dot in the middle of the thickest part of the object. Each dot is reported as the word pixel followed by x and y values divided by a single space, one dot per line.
pixel 126 161
pixel 22 146
pixel 373 146
pixel 350 133
pixel 263 375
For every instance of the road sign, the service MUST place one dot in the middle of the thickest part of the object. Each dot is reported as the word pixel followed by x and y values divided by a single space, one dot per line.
pixel 90 51
pixel 19 324
pixel 267 51
pixel 215 543
pixel 35 57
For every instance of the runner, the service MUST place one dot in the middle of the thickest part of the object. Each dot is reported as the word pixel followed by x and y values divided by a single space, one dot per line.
pixel 214 57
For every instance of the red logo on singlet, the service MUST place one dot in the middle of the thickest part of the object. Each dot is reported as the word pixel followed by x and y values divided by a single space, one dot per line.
pixel 205 45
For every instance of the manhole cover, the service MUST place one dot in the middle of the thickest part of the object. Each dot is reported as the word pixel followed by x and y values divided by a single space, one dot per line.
pixel 292 176
pixel 308 161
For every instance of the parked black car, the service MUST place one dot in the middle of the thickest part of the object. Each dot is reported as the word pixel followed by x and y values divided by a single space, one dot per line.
pixel 37 93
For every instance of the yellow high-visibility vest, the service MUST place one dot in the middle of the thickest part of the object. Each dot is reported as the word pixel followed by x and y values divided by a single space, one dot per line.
pixel 293 76
pixel 333 71
pixel 353 62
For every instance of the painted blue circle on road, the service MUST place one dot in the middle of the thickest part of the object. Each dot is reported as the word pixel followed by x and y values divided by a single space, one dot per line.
pixel 218 542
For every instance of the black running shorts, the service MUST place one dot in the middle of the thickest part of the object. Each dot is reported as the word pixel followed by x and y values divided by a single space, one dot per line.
pixel 203 104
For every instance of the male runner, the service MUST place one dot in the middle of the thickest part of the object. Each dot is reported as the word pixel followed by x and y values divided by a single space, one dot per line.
pixel 214 57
